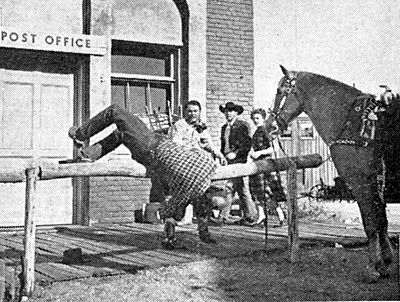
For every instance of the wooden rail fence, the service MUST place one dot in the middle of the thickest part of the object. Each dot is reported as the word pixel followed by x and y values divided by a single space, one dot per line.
pixel 48 171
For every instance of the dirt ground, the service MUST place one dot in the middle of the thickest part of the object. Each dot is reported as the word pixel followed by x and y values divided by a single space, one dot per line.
pixel 322 273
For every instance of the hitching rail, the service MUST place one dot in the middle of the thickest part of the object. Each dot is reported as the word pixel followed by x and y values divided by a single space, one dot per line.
pixel 48 171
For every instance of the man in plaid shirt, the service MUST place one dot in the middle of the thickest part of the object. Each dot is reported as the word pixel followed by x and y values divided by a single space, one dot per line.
pixel 186 171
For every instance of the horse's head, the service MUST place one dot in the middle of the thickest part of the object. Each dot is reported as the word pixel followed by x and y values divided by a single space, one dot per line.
pixel 286 104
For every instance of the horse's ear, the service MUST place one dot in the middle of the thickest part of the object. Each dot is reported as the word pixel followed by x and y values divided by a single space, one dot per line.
pixel 284 70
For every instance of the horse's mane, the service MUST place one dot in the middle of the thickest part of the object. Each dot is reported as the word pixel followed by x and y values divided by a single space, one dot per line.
pixel 323 80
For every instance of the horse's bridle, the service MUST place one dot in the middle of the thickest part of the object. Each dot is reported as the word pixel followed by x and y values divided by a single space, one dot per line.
pixel 288 87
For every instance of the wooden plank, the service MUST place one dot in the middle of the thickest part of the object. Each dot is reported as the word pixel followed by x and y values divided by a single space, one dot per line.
pixel 147 259
pixel 47 269
pixel 95 271
pixel 143 228
pixel 94 247
pixel 110 245
pixel 40 255
pixel 16 244
pixel 141 239
pixel 242 242
pixel 124 254
pixel 161 254
pixel 138 228
pixel 181 253
pixel 73 272
pixel 255 234
pixel 117 253
pixel 44 242
pixel 48 246
pixel 238 232
pixel 224 246
pixel 43 279
pixel 89 247
pixel 60 244
pixel 139 255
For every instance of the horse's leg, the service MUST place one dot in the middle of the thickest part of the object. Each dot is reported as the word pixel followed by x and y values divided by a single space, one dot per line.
pixel 389 189
pixel 355 166
pixel 386 246
pixel 365 200
pixel 381 216
pixel 387 252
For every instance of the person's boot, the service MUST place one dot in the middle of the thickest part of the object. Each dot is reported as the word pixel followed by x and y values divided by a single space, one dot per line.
pixel 92 153
pixel 204 234
pixel 72 134
pixel 169 234
pixel 87 154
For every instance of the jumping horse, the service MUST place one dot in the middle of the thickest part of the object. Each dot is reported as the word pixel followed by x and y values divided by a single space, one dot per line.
pixel 339 113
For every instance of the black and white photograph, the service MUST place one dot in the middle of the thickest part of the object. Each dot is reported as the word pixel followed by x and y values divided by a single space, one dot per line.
pixel 199 150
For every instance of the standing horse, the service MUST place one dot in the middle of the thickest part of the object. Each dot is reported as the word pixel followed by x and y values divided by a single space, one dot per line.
pixel 332 107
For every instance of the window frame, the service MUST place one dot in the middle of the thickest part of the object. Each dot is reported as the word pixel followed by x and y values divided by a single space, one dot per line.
pixel 173 77
pixel 303 125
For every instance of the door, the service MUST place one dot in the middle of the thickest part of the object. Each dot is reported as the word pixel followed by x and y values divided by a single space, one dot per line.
pixel 36 111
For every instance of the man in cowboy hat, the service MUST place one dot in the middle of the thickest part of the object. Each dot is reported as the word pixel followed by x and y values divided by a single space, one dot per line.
pixel 235 146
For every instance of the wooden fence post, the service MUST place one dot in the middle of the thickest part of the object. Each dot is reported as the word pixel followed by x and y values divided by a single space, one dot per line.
pixel 2 274
pixel 293 230
pixel 28 265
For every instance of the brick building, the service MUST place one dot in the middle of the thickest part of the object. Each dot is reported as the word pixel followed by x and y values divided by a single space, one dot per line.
pixel 63 62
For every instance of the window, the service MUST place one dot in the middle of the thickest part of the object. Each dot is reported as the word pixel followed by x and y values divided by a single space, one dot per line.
pixel 145 77
pixel 306 129
pixel 287 133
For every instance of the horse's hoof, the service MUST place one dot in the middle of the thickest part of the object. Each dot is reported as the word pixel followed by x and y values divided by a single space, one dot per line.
pixel 207 239
pixel 384 272
pixel 388 260
pixel 371 275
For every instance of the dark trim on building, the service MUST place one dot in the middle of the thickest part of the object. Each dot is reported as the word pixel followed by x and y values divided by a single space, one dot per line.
pixel 81 187
pixel 184 12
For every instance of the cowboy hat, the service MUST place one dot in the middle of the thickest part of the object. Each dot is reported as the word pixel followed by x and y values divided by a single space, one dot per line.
pixel 230 106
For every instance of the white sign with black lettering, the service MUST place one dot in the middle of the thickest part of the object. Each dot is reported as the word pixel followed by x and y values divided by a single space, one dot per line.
pixel 85 44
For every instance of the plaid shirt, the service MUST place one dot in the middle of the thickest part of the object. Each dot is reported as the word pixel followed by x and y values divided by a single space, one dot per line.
pixel 187 171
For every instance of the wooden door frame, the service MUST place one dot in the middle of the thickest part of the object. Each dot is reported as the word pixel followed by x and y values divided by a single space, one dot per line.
pixel 79 68
pixel 80 203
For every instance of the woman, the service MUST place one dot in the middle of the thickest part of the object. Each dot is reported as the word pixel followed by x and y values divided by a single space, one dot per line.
pixel 264 184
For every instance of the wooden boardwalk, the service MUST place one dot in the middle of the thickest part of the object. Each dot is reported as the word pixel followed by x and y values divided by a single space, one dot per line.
pixel 127 248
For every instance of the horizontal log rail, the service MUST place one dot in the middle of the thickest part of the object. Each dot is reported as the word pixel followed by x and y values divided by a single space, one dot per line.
pixel 47 170
pixel 131 168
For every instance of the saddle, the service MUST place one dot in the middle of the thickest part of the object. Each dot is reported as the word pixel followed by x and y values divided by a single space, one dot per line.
pixel 368 117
